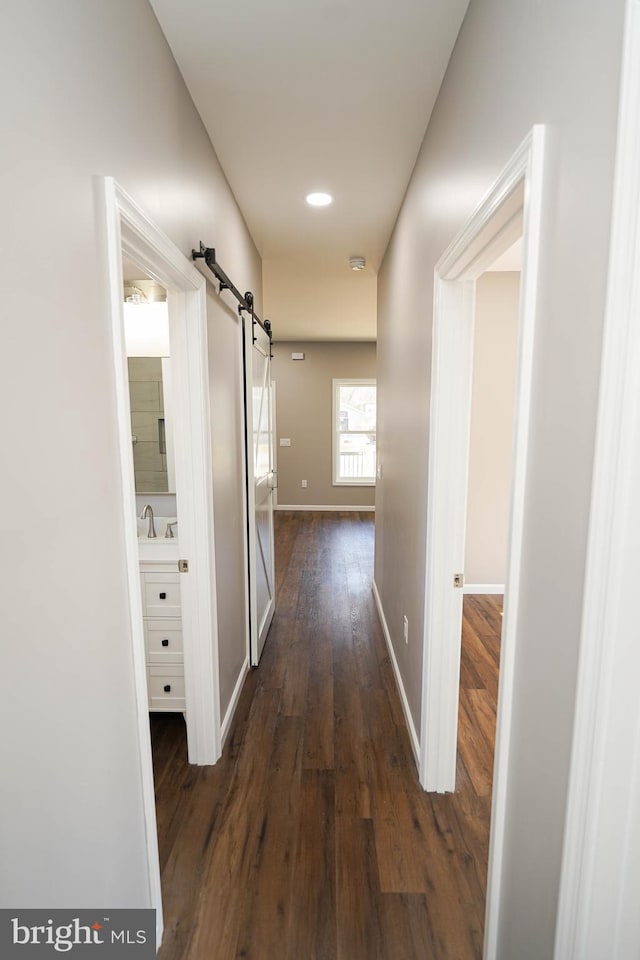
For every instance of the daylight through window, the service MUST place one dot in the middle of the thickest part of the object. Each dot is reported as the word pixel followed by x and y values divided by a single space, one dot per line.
pixel 354 432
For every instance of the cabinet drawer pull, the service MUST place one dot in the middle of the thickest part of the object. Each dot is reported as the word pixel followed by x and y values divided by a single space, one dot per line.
pixel 167 688
pixel 165 642
pixel 163 596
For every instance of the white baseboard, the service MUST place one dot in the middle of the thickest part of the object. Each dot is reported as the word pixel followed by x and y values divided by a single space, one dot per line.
pixel 483 588
pixel 413 736
pixel 308 506
pixel 233 703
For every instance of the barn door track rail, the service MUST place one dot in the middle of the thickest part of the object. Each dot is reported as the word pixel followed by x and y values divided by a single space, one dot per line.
pixel 245 302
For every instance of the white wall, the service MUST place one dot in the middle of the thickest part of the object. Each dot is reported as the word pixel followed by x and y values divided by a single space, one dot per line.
pixel 516 63
pixel 490 444
pixel 88 88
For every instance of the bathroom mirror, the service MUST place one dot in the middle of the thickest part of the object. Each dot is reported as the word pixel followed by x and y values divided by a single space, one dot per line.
pixel 151 436
pixel 146 322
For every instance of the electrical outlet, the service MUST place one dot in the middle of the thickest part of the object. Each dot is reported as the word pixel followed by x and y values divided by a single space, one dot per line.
pixel 405 627
pixel 303 483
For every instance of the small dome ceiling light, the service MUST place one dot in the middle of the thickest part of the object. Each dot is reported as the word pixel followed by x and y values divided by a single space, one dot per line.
pixel 357 263
pixel 144 290
pixel 319 199
pixel 133 294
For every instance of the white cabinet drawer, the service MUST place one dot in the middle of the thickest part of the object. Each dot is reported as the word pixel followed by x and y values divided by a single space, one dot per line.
pixel 161 594
pixel 163 641
pixel 166 687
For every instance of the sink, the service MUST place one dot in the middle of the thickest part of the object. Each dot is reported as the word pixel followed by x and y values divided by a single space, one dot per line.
pixel 160 524
pixel 159 549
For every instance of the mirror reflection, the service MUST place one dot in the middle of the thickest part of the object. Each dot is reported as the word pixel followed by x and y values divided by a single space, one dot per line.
pixel 147 377
pixel 147 338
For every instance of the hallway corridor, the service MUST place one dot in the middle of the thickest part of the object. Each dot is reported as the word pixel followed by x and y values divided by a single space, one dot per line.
pixel 311 838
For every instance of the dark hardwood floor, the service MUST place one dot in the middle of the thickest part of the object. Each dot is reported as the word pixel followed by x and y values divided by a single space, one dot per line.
pixel 311 838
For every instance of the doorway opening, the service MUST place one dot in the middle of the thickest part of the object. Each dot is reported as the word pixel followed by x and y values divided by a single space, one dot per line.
pixel 510 209
pixel 487 521
pixel 128 232
pixel 149 367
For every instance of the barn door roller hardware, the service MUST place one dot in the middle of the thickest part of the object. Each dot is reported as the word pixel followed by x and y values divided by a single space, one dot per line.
pixel 245 303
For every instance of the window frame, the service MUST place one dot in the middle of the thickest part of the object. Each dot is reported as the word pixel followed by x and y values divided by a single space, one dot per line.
pixel 336 432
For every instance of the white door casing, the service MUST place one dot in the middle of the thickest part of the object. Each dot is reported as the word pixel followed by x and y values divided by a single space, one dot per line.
pixel 511 207
pixel 125 228
pixel 600 882
pixel 260 484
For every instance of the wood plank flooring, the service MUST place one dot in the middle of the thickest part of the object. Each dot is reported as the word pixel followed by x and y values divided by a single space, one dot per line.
pixel 311 838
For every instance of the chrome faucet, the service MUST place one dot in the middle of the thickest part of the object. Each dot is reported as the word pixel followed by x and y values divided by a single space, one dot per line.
pixel 169 535
pixel 147 511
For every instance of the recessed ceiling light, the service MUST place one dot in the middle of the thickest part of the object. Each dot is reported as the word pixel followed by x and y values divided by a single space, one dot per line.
pixel 319 199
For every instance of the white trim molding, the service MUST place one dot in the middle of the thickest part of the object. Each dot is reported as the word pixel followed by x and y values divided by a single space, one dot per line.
pixel 598 912
pixel 142 241
pixel 109 206
pixel 511 206
pixel 233 703
pixel 413 736
pixel 530 161
pixel 126 229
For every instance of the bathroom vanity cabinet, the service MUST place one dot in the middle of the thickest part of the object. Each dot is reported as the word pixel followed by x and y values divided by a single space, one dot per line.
pixel 162 613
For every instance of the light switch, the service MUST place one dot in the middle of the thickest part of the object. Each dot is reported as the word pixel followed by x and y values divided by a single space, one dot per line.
pixel 285 442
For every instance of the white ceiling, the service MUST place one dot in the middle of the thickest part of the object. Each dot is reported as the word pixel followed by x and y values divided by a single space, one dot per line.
pixel 301 95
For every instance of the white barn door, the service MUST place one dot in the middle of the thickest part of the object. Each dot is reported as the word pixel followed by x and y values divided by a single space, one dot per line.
pixel 260 485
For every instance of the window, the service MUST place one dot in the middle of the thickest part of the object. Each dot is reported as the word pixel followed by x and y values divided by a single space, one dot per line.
pixel 354 432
